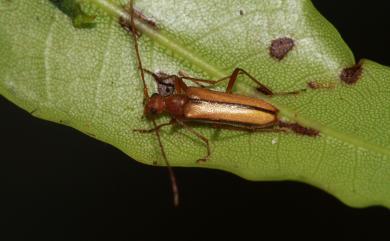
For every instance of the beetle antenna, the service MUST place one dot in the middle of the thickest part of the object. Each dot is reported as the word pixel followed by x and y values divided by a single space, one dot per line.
pixel 175 190
pixel 133 30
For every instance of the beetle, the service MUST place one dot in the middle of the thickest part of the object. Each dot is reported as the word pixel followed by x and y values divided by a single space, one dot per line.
pixel 221 109
pixel 199 104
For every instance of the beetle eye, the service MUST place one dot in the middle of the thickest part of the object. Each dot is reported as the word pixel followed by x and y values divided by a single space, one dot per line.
pixel 153 111
pixel 165 89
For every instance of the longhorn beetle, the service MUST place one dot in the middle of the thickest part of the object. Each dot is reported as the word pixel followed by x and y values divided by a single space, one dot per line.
pixel 198 104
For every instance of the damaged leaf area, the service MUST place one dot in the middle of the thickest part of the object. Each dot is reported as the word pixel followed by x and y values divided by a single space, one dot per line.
pixel 88 79
pixel 280 47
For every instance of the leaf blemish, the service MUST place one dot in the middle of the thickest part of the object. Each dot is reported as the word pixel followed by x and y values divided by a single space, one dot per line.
pixel 241 12
pixel 280 47
pixel 318 85
pixel 274 141
pixel 352 74
pixel 297 128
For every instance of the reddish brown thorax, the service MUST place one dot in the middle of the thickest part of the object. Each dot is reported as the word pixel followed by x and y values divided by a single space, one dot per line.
pixel 173 105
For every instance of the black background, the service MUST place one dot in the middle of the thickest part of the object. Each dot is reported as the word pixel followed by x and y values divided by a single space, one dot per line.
pixel 58 184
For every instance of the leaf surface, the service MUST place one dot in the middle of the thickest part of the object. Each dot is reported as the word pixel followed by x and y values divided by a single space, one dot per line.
pixel 88 79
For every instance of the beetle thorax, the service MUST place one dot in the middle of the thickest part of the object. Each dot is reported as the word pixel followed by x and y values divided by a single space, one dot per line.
pixel 174 105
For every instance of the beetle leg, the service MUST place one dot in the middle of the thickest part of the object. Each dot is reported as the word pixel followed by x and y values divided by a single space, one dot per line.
pixel 262 88
pixel 232 80
pixel 233 77
pixel 183 75
pixel 200 81
pixel 156 128
pixel 204 139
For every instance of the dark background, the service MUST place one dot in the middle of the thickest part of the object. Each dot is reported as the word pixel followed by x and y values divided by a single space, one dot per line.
pixel 58 184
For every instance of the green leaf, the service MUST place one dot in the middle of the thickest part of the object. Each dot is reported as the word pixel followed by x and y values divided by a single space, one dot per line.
pixel 73 9
pixel 88 79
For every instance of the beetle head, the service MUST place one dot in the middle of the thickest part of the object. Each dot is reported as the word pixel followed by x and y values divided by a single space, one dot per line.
pixel 155 106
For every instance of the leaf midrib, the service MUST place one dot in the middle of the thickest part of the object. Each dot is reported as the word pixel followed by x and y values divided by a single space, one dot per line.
pixel 212 71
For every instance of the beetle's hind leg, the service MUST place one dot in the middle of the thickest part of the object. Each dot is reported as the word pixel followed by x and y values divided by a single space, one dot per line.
pixel 201 137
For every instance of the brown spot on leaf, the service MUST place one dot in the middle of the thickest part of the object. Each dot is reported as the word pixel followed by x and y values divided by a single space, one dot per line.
pixel 280 47
pixel 318 85
pixel 352 74
pixel 297 128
